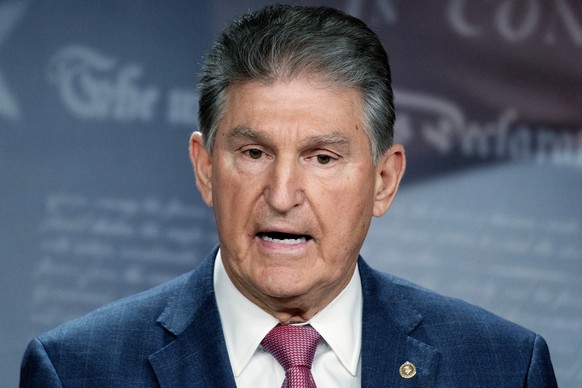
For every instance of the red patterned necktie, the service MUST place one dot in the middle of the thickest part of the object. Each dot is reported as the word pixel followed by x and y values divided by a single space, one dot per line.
pixel 294 348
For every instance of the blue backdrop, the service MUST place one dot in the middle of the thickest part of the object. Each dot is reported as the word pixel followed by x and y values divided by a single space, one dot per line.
pixel 98 98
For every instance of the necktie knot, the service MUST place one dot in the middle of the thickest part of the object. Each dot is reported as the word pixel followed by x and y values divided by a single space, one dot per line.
pixel 294 348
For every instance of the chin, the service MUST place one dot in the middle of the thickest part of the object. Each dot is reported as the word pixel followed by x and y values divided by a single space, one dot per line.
pixel 285 287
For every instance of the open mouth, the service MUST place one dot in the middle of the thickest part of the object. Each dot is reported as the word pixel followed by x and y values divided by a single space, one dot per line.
pixel 284 238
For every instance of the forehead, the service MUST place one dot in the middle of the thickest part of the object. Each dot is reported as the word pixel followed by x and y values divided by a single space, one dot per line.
pixel 301 107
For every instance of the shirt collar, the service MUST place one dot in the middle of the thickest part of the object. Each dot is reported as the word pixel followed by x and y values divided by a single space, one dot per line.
pixel 244 324
pixel 340 324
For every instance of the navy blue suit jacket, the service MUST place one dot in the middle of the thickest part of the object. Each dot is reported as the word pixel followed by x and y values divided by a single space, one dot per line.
pixel 171 336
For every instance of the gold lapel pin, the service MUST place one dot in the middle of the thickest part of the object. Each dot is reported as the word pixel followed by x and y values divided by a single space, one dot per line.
pixel 407 370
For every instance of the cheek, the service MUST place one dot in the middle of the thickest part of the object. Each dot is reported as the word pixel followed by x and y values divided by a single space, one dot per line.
pixel 349 208
pixel 352 218
pixel 228 182
pixel 350 194
pixel 225 189
pixel 235 198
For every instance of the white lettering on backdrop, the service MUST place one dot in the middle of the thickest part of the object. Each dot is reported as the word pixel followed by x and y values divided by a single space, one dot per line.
pixel 516 21
pixel 442 126
pixel 10 15
pixel 94 86
pixel 97 86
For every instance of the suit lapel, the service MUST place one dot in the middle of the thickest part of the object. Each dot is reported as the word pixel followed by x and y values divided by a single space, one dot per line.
pixel 197 357
pixel 387 342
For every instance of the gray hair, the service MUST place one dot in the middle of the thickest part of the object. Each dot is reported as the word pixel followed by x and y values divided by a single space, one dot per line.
pixel 282 42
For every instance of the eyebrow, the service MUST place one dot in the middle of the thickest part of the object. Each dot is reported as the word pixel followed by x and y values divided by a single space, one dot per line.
pixel 335 139
pixel 331 139
pixel 244 132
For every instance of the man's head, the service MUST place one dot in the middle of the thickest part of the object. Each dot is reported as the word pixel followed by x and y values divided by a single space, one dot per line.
pixel 285 156
pixel 283 42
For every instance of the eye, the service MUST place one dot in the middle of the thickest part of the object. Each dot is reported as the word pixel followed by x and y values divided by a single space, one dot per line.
pixel 254 153
pixel 324 159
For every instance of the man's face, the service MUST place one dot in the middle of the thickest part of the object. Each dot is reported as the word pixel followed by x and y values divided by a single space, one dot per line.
pixel 293 187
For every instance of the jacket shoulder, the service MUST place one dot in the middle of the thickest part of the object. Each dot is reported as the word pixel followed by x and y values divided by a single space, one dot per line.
pixel 111 346
pixel 106 347
pixel 134 311
pixel 474 345
pixel 452 318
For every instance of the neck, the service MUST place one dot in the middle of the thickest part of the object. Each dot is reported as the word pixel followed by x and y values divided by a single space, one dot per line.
pixel 298 309
pixel 287 316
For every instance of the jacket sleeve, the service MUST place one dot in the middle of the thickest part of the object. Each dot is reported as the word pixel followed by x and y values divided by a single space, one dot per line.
pixel 541 372
pixel 37 369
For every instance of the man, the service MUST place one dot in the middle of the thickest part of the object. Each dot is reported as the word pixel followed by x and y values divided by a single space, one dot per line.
pixel 295 157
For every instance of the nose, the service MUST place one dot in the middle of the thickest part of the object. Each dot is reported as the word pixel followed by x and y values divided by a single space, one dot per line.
pixel 284 189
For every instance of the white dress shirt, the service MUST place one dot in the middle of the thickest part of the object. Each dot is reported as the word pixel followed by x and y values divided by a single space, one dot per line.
pixel 337 358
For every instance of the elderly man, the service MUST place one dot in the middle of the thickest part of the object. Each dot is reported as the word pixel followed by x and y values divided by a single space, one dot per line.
pixel 295 156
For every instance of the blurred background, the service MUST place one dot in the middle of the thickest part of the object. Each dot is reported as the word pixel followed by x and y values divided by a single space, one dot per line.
pixel 97 196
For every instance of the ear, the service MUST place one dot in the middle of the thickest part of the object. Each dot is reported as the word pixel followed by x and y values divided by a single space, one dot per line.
pixel 389 172
pixel 202 163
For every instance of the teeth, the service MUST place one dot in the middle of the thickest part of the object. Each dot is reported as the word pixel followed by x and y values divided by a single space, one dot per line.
pixel 288 241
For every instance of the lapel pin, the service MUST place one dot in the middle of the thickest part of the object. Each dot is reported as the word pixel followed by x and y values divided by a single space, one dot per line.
pixel 407 370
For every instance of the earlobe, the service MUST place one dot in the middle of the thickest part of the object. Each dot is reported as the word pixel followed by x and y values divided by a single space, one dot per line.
pixel 202 164
pixel 389 173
